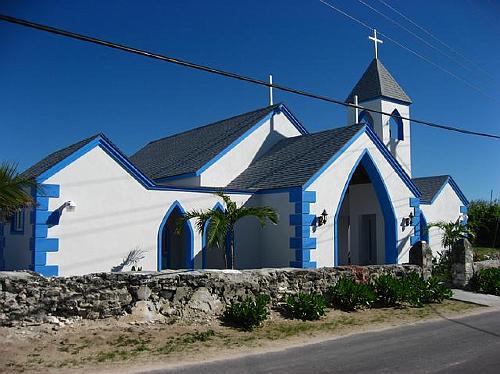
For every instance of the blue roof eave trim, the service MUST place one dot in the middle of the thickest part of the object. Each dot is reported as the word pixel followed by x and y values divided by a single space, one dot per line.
pixel 281 108
pixel 124 162
pixel 385 152
pixel 455 188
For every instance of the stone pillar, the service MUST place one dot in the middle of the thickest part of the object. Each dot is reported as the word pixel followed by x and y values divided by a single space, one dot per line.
pixel 462 263
pixel 421 255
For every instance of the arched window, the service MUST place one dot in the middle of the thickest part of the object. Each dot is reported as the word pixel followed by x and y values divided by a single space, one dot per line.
pixel 396 130
pixel 366 118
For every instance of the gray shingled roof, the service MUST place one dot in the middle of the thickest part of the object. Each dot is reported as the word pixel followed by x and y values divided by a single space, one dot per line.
pixel 188 151
pixel 293 161
pixel 375 82
pixel 430 186
pixel 55 157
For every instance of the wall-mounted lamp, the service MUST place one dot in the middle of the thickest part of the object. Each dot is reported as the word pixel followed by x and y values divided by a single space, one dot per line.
pixel 69 205
pixel 321 220
pixel 407 220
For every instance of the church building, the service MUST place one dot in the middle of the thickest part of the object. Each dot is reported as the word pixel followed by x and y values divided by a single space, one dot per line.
pixel 344 195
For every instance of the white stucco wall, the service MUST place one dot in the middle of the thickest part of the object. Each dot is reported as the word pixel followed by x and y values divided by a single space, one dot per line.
pixel 446 207
pixel 329 188
pixel 400 149
pixel 17 254
pixel 234 162
pixel 114 215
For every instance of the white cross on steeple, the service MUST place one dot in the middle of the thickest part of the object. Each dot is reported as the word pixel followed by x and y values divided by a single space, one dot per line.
pixel 375 42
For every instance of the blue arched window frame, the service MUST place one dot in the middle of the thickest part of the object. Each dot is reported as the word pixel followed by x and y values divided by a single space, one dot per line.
pixel 397 132
pixel 366 117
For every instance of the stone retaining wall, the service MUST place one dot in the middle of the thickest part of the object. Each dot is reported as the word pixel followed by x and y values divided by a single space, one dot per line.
pixel 27 297
pixel 486 265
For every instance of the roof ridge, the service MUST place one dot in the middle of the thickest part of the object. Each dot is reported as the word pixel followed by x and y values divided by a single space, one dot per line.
pixel 214 123
pixel 433 176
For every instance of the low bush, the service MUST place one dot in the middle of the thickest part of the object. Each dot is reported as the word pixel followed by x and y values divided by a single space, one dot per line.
pixel 389 290
pixel 437 291
pixel 487 281
pixel 248 314
pixel 349 295
pixel 306 306
pixel 414 290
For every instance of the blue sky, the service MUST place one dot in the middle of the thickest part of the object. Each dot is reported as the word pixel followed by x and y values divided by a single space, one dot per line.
pixel 55 91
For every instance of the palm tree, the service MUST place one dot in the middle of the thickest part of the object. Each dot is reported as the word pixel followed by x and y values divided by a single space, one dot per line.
pixel 220 228
pixel 453 232
pixel 14 191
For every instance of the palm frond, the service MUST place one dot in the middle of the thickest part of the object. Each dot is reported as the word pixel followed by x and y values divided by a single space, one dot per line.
pixel 14 190
pixel 261 213
pixel 217 229
pixel 230 204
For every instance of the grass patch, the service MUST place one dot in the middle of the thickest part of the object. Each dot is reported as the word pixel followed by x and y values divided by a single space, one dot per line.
pixel 486 253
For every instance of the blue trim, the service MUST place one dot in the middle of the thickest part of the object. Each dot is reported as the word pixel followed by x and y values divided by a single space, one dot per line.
pixel 455 188
pixel 399 123
pixel 2 247
pixel 204 245
pixel 391 250
pixel 381 147
pixel 302 244
pixel 424 231
pixel 235 143
pixel 189 256
pixel 282 108
pixel 464 210
pixel 387 99
pixel 13 219
pixel 366 117
pixel 415 222
pixel 40 244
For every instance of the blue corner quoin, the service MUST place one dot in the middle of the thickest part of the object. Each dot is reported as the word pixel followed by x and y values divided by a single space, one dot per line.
pixel 302 244
pixel 40 243
pixel 415 222
pixel 2 247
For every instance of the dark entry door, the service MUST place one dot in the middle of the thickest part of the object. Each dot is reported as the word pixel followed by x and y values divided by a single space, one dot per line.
pixel 368 240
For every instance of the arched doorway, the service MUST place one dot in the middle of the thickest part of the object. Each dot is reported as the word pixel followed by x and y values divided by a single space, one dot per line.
pixel 365 223
pixel 213 257
pixel 175 249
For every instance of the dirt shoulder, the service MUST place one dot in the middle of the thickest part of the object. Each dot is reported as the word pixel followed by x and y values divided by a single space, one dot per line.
pixel 114 346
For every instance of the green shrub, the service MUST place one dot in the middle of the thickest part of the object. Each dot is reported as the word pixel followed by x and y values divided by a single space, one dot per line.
pixel 487 281
pixel 248 314
pixel 389 290
pixel 414 290
pixel 441 266
pixel 437 291
pixel 306 306
pixel 349 295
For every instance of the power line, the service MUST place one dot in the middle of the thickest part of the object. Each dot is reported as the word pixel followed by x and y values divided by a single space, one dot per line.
pixel 436 38
pixel 224 73
pixel 446 54
pixel 419 55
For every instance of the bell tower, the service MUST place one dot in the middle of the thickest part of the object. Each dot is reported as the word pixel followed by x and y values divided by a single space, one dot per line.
pixel 378 90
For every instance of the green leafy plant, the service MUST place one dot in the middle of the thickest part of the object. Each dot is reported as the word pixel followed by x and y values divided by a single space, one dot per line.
pixel 349 295
pixel 487 281
pixel 414 290
pixel 441 266
pixel 389 290
pixel 306 306
pixel 221 224
pixel 248 314
pixel 437 291
pixel 453 232
pixel 484 217
pixel 14 191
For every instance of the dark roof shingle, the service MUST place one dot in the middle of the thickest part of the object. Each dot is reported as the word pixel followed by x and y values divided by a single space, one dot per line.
pixel 51 160
pixel 293 161
pixel 375 82
pixel 188 151
pixel 430 186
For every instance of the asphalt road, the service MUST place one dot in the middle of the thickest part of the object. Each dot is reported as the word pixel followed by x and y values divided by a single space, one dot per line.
pixel 464 345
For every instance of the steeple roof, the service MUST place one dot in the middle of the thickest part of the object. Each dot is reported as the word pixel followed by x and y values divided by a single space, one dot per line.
pixel 376 82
